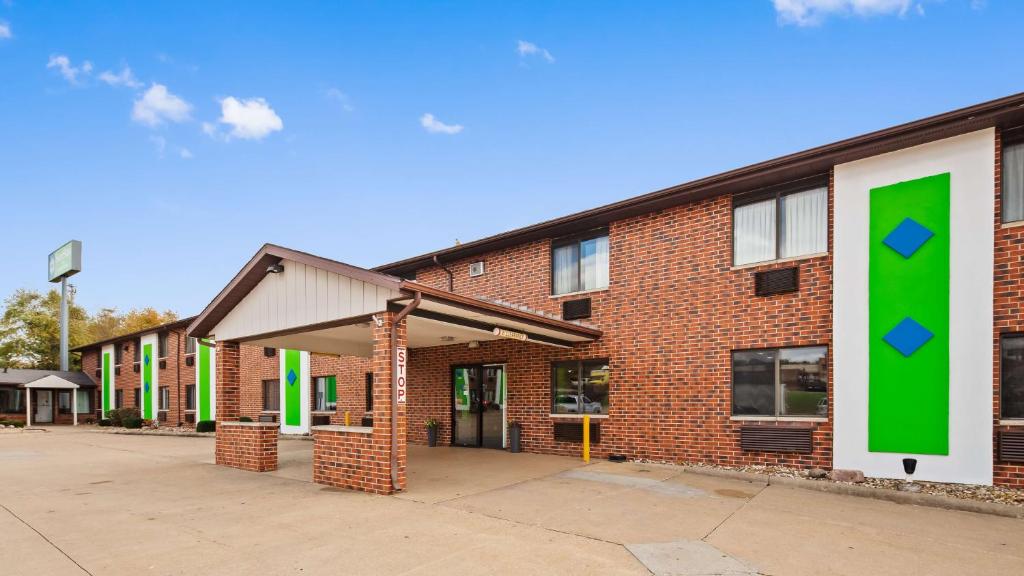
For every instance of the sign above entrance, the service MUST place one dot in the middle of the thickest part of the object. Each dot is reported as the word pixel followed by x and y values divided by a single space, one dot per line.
pixel 400 356
pixel 65 261
pixel 503 333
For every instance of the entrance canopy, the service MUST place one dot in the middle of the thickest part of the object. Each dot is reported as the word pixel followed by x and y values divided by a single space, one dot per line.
pixel 52 382
pixel 283 298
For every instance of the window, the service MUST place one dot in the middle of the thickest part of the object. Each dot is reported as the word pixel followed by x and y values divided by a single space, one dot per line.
pixel 83 402
pixel 138 398
pixel 12 401
pixel 138 351
pixel 1013 182
pixel 369 391
pixel 64 401
pixel 579 387
pixel 118 398
pixel 161 345
pixel 190 397
pixel 579 264
pixel 326 393
pixel 780 382
pixel 1011 373
pixel 782 226
pixel 190 346
pixel 165 397
pixel 118 350
pixel 272 395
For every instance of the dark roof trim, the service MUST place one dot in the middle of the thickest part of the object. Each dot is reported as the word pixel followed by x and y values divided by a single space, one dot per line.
pixel 477 305
pixel 1003 112
pixel 161 328
pixel 253 272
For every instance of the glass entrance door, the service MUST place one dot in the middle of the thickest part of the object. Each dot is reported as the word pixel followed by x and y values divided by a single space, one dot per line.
pixel 478 406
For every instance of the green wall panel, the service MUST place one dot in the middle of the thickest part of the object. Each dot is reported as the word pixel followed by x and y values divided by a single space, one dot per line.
pixel 147 381
pixel 291 379
pixel 205 377
pixel 908 396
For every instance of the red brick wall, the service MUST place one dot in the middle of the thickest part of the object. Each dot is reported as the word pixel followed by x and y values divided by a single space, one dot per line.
pixel 248 446
pixel 1008 312
pixel 673 312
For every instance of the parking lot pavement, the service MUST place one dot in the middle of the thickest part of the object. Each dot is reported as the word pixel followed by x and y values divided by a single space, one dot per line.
pixel 83 502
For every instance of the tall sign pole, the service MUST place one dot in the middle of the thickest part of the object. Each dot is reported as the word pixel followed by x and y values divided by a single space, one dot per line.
pixel 64 262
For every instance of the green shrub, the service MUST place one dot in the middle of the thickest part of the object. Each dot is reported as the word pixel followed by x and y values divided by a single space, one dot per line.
pixel 244 419
pixel 206 426
pixel 105 422
pixel 115 417
pixel 131 422
pixel 15 423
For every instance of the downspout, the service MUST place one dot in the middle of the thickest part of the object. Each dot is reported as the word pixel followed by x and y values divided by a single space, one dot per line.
pixel 179 358
pixel 448 271
pixel 394 383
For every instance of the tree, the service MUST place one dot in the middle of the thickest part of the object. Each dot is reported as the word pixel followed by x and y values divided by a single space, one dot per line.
pixel 30 330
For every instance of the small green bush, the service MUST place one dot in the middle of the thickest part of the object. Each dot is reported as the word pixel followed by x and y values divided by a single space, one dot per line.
pixel 115 417
pixel 15 423
pixel 131 422
pixel 105 422
pixel 206 426
pixel 244 419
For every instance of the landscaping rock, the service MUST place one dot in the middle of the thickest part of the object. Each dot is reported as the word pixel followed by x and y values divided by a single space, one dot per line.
pixel 817 473
pixel 855 476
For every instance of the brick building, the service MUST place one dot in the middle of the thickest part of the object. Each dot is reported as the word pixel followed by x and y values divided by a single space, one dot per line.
pixel 848 306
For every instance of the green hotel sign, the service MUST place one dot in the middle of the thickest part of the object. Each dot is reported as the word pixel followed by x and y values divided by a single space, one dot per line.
pixel 66 260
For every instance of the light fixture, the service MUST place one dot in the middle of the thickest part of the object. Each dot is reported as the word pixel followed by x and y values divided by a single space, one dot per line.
pixel 377 320
pixel 275 268
pixel 474 344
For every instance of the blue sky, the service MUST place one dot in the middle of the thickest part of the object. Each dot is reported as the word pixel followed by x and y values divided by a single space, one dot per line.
pixel 305 124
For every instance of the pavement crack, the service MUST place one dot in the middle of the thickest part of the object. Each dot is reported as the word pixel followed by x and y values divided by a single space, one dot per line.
pixel 733 513
pixel 48 541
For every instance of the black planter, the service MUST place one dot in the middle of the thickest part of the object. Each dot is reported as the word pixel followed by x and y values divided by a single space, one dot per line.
pixel 514 445
pixel 432 436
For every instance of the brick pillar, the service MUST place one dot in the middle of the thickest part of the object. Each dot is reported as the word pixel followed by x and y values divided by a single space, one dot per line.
pixel 382 396
pixel 246 445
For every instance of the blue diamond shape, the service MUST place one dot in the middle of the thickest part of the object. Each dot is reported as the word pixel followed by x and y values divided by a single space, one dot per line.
pixel 291 377
pixel 907 237
pixel 147 359
pixel 147 386
pixel 908 336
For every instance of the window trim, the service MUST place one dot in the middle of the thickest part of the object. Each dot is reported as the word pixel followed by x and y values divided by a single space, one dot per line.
pixel 777 193
pixel 579 366
pixel 778 382
pixel 578 239
pixel 1015 138
pixel 1009 420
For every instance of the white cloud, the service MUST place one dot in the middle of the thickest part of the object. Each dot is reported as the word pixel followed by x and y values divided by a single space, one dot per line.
pixel 5 31
pixel 157 105
pixel 340 97
pixel 526 49
pixel 250 119
pixel 435 126
pixel 123 78
pixel 185 153
pixel 70 73
pixel 814 12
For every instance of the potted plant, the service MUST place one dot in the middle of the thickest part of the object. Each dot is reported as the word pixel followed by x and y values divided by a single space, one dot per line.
pixel 432 425
pixel 515 430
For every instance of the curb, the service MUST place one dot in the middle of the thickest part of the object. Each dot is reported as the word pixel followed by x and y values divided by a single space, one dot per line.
pixel 914 499
pixel 172 434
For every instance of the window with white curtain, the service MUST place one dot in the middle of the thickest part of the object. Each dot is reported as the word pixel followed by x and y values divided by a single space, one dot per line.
pixel 784 226
pixel 579 264
pixel 82 401
pixel 1013 182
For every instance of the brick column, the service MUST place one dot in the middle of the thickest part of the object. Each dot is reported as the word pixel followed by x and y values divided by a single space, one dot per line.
pixel 382 397
pixel 245 445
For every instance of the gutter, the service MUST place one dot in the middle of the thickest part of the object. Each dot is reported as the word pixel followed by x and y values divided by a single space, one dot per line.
pixel 417 298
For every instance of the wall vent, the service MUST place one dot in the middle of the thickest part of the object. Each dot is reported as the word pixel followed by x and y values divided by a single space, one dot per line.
pixel 576 309
pixel 781 281
pixel 190 418
pixel 163 364
pixel 761 438
pixel 1011 446
pixel 270 352
pixel 476 269
pixel 190 360
pixel 573 432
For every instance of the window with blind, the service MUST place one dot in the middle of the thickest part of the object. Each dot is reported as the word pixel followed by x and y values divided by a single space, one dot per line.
pixel 781 226
pixel 580 263
pixel 272 395
pixel 1013 182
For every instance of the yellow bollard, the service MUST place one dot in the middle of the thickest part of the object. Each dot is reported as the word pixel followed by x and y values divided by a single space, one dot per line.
pixel 586 438
pixel 347 420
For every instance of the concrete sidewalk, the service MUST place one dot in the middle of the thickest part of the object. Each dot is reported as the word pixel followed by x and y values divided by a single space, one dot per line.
pixel 76 502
